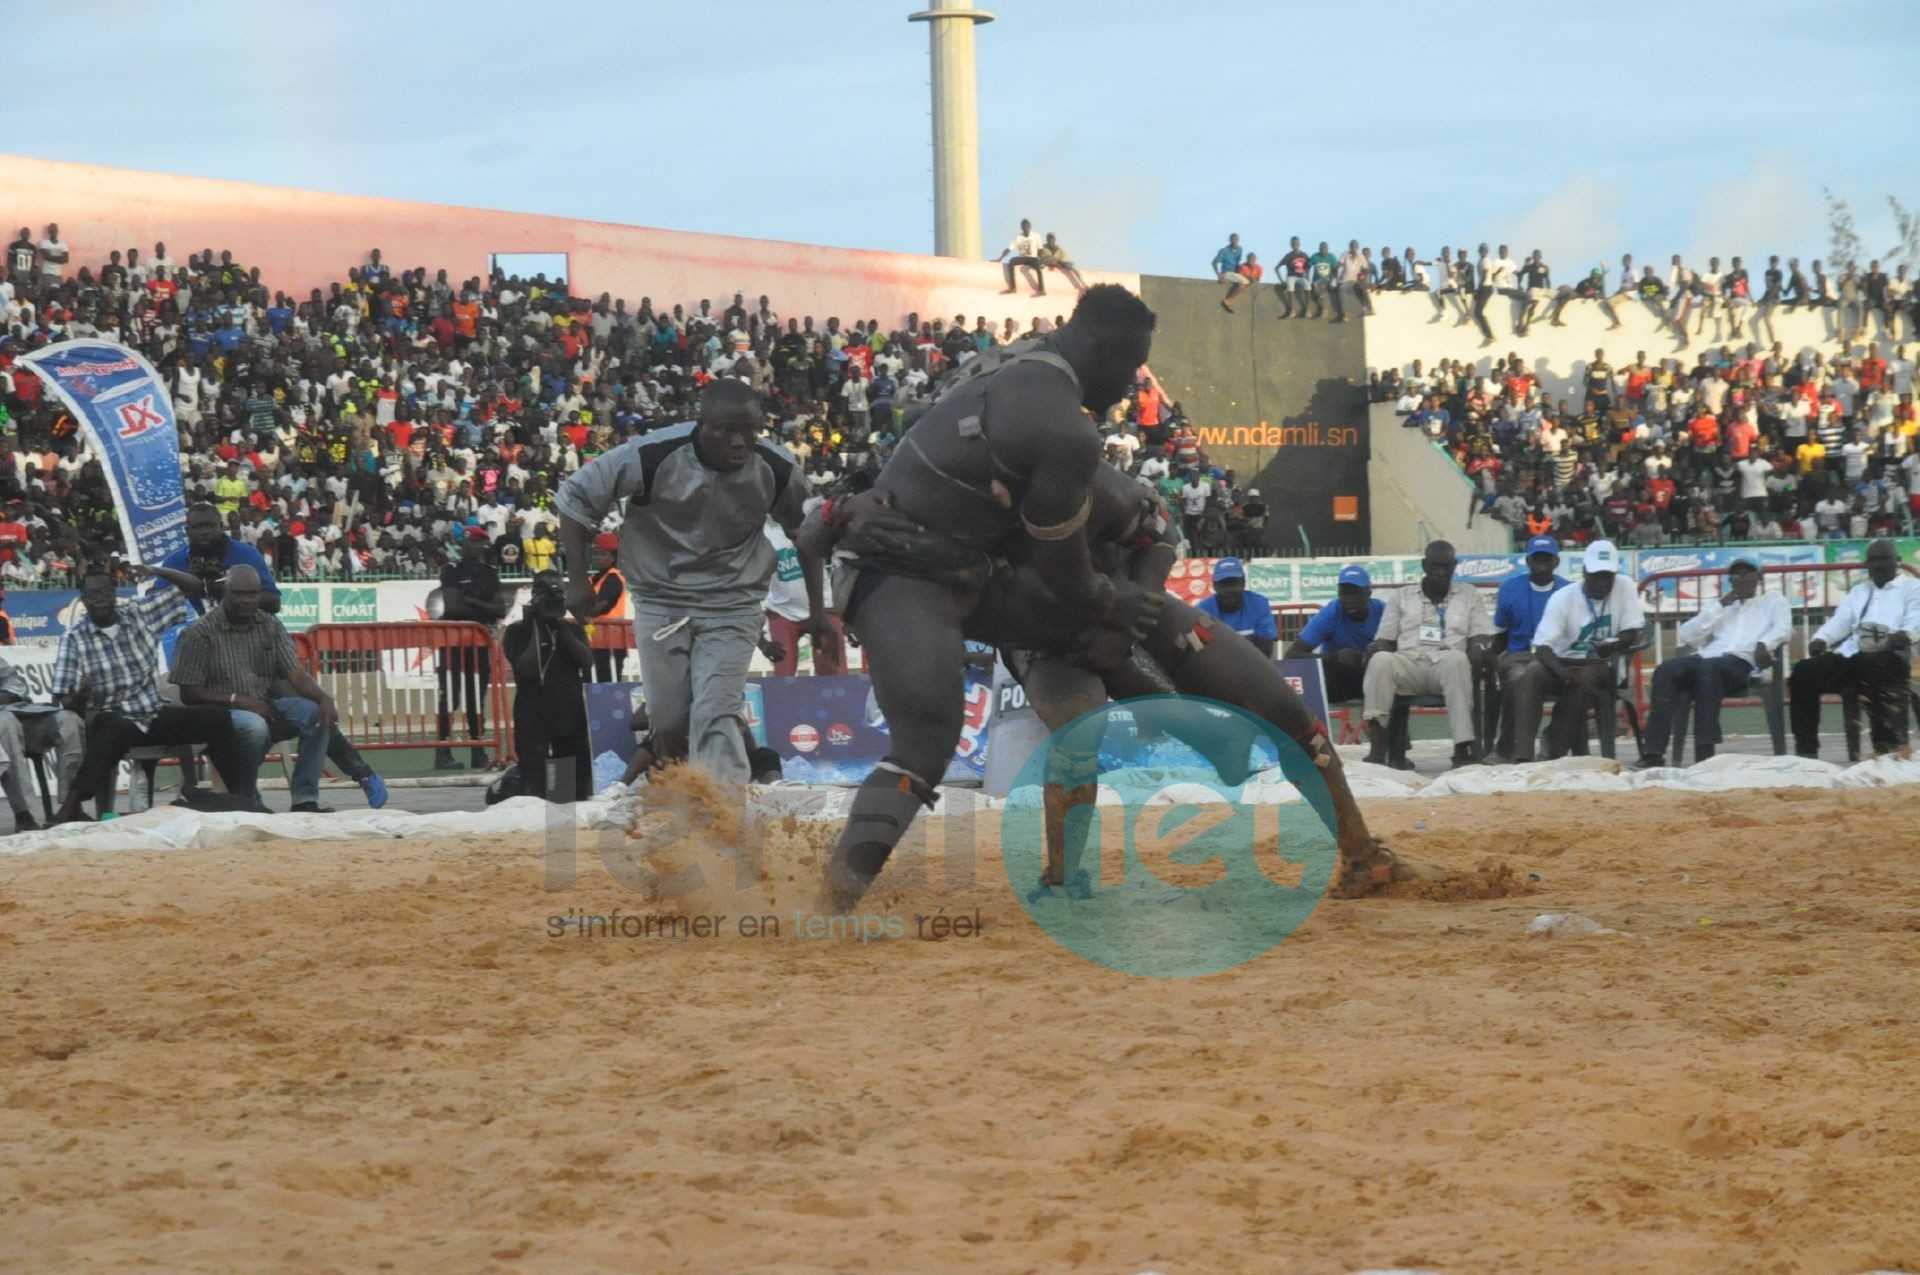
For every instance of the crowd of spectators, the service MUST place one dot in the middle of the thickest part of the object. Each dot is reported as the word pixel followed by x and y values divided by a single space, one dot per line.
pixel 360 431
pixel 1743 445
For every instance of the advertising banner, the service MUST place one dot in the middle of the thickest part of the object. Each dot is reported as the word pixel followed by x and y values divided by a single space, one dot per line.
pixel 125 412
pixel 827 730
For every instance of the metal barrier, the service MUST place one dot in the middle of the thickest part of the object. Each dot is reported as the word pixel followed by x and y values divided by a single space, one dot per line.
pixel 1812 589
pixel 391 680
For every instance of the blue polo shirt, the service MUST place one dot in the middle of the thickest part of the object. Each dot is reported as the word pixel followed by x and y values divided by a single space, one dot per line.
pixel 1519 606
pixel 1330 628
pixel 238 554
pixel 1254 619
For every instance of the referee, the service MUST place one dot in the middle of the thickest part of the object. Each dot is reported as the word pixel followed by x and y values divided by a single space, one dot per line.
pixel 695 559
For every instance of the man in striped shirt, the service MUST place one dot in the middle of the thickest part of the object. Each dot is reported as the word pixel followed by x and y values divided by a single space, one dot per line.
pixel 107 671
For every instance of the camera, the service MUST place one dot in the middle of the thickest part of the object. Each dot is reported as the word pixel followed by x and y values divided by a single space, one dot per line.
pixel 548 600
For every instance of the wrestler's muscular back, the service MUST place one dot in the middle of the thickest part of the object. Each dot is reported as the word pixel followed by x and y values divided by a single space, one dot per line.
pixel 1046 447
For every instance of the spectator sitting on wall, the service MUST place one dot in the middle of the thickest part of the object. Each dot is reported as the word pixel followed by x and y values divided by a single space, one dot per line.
pixel 1054 257
pixel 1226 269
pixel 1023 252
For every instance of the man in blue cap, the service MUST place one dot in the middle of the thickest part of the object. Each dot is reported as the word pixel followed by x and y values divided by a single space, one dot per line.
pixel 1516 615
pixel 1248 614
pixel 1339 634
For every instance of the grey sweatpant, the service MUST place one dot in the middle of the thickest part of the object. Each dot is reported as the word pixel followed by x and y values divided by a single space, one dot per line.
pixel 694 675
pixel 21 733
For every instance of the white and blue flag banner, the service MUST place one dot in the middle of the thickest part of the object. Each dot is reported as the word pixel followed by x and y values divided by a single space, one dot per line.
pixel 123 406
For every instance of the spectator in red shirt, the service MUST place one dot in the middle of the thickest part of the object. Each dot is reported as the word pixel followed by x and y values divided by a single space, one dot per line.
pixel 1706 433
pixel 1740 436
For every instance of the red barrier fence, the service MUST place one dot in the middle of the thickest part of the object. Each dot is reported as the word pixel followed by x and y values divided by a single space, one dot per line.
pixel 391 682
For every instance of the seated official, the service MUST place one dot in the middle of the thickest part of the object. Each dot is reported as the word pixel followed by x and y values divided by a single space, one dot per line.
pixel 1339 634
pixel 107 670
pixel 1866 646
pixel 551 662
pixel 197 568
pixel 1733 637
pixel 1517 609
pixel 1432 637
pixel 239 660
pixel 1580 632
pixel 26 727
pixel 1245 612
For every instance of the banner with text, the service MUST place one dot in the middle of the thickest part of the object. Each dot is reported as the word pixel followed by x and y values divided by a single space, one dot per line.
pixel 125 412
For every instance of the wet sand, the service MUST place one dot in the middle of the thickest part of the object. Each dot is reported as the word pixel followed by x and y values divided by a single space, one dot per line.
pixel 377 1055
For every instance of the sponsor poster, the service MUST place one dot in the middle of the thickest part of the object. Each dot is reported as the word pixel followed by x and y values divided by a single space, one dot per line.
pixel 1320 577
pixel 125 411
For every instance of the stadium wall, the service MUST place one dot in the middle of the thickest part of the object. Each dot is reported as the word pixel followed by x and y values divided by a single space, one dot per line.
pixel 303 240
pixel 1283 405
pixel 1421 494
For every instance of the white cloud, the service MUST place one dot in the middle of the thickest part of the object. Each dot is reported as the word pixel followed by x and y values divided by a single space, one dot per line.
pixel 1098 200
pixel 1575 228
pixel 1771 208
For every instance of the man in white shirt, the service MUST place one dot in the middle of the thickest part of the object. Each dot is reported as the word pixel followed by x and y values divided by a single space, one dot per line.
pixel 1431 637
pixel 1866 647
pixel 1582 630
pixel 1023 250
pixel 1753 473
pixel 1733 637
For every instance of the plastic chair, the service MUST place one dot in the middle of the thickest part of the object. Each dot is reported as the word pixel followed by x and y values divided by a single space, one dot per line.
pixel 38 761
pixel 1606 705
pixel 1773 701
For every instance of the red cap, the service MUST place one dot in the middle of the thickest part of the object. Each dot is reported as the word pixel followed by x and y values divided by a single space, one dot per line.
pixel 608 541
pixel 477 533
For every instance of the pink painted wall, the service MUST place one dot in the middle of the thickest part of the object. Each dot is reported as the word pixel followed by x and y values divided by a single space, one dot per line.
pixel 304 239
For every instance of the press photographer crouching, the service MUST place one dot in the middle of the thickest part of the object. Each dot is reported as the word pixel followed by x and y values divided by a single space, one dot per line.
pixel 551 661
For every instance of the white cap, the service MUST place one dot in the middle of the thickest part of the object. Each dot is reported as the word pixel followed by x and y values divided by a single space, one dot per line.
pixel 1600 556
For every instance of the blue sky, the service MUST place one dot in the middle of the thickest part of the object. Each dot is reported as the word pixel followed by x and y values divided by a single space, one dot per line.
pixel 1142 132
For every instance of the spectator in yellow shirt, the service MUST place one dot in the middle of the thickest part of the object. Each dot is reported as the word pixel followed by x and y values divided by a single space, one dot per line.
pixel 539 548
pixel 1810 453
pixel 228 491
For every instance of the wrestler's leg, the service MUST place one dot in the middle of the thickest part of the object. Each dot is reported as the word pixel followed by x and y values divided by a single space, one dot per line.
pixel 915 656
pixel 1060 691
pixel 1206 658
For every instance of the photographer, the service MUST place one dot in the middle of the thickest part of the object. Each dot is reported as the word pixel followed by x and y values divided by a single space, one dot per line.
pixel 210 553
pixel 551 660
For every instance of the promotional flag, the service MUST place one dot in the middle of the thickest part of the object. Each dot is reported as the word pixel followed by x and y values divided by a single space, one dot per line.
pixel 123 407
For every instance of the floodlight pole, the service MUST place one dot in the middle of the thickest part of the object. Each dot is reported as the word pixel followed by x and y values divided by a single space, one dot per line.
pixel 956 126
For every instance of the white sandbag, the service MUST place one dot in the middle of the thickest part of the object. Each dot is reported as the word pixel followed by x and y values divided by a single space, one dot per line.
pixel 1880 772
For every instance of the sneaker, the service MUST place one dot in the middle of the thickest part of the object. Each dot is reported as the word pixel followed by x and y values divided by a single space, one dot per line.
pixel 310 808
pixel 443 759
pixel 376 790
